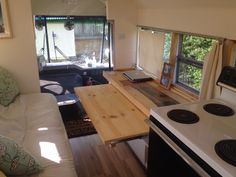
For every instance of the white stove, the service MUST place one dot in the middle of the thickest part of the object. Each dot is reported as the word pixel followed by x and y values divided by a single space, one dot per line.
pixel 202 136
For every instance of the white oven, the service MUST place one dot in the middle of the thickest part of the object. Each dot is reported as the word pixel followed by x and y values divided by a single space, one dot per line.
pixel 195 139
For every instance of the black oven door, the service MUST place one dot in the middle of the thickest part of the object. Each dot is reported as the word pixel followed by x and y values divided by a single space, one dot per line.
pixel 169 157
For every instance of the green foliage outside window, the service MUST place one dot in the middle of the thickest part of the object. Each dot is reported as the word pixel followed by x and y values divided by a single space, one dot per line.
pixel 193 49
pixel 167 45
pixel 190 76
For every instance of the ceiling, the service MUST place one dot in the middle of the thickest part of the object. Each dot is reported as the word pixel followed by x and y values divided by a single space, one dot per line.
pixel 150 4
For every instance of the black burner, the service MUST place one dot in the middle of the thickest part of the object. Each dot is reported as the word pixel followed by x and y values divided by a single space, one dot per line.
pixel 218 109
pixel 183 116
pixel 226 150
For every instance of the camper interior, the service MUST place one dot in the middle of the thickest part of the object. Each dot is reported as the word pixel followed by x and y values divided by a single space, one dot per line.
pixel 67 107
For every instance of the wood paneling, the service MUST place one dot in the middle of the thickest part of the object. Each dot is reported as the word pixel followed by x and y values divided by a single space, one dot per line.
pixel 94 159
pixel 173 48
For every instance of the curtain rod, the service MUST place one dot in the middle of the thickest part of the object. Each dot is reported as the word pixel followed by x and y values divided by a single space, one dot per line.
pixel 221 39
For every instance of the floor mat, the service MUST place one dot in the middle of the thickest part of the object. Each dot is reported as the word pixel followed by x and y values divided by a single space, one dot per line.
pixel 76 120
pixel 74 116
pixel 79 127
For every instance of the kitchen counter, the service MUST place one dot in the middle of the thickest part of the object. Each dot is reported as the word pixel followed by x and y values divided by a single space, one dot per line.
pixel 144 95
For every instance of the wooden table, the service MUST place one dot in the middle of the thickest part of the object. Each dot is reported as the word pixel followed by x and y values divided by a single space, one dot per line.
pixel 113 115
pixel 118 110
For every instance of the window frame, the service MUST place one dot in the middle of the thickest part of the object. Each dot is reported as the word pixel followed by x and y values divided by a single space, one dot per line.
pixel 185 60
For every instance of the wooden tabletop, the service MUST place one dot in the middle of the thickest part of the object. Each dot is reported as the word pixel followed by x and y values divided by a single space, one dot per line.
pixel 113 115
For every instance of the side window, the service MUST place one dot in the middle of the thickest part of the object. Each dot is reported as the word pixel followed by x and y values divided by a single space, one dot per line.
pixel 153 50
pixel 191 53
pixel 167 46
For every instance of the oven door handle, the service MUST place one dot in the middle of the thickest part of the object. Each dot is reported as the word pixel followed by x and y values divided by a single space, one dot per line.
pixel 178 150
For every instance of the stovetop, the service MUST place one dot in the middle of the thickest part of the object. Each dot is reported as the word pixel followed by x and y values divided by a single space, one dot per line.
pixel 202 136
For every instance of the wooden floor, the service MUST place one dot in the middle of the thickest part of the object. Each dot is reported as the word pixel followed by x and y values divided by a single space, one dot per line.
pixel 94 159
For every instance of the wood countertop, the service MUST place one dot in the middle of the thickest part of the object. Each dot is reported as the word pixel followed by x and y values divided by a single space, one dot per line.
pixel 113 115
pixel 144 95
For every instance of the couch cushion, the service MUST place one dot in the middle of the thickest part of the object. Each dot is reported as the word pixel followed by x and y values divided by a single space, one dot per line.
pixel 46 137
pixel 41 111
pixel 14 160
pixel 51 147
pixel 13 130
pixel 38 128
pixel 8 88
pixel 12 120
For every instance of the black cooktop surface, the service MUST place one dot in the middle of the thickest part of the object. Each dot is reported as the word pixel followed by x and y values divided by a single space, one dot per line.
pixel 183 116
pixel 226 150
pixel 218 109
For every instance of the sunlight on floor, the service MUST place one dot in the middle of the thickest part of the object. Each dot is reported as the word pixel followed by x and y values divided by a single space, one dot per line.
pixel 49 151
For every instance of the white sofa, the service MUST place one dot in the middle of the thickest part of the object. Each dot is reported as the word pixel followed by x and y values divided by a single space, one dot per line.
pixel 35 123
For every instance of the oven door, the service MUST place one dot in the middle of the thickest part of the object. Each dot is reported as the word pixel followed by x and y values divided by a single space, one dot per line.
pixel 168 156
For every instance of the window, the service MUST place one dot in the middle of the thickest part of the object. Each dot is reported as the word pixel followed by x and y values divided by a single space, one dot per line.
pixel 155 47
pixel 191 53
pixel 153 50
pixel 167 45
pixel 82 41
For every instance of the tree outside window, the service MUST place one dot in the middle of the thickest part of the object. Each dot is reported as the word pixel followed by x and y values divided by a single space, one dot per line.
pixel 191 54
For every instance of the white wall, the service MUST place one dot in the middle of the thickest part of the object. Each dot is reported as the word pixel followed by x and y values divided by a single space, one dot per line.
pixel 207 17
pixel 69 7
pixel 215 21
pixel 124 14
pixel 17 54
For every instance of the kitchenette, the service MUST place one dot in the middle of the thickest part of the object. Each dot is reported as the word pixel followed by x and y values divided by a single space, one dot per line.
pixel 119 110
pixel 198 138
pixel 171 133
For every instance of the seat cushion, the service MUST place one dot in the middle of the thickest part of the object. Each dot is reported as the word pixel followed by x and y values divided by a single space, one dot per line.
pixel 52 149
pixel 36 125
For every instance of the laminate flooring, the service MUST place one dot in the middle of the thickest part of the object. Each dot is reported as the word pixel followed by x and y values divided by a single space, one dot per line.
pixel 94 159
